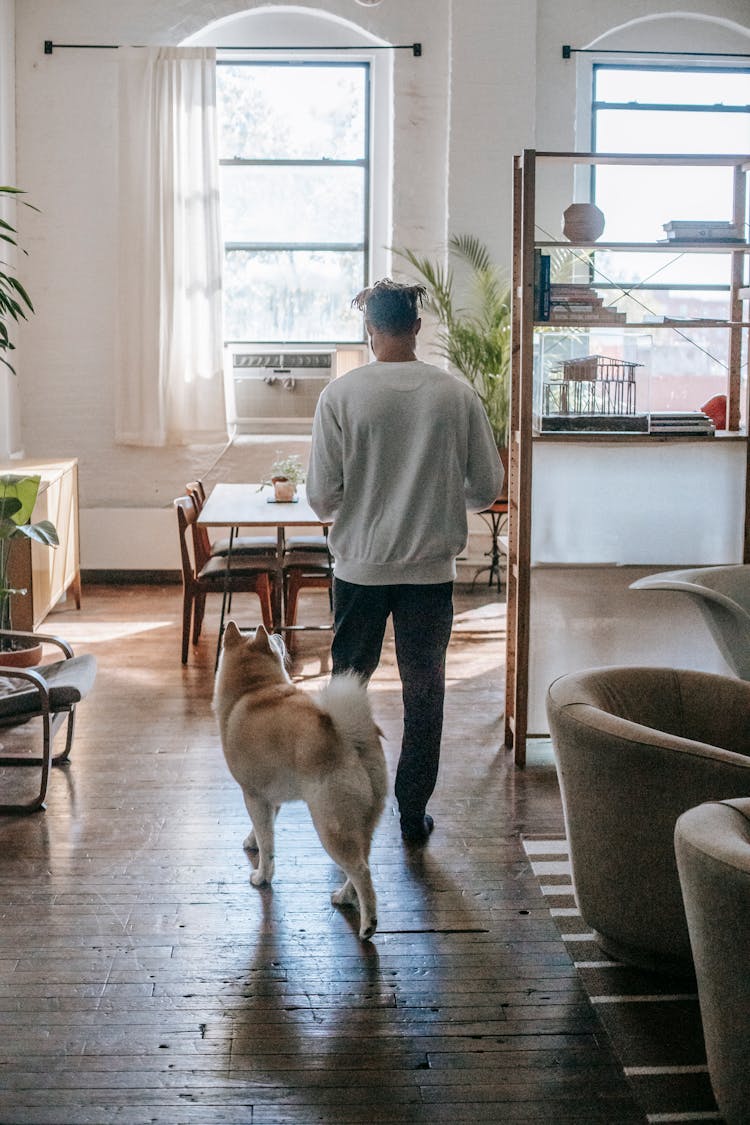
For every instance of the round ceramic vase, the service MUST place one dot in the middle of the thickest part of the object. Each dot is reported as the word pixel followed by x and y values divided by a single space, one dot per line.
pixel 582 222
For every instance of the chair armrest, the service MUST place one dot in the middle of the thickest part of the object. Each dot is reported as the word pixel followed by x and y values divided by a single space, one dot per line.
pixel 44 638
pixel 29 674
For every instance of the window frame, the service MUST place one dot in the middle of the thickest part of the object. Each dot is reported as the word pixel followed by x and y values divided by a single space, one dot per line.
pixel 363 247
pixel 597 66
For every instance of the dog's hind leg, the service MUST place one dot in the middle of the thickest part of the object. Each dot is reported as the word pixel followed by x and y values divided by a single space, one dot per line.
pixel 349 850
pixel 250 843
pixel 263 816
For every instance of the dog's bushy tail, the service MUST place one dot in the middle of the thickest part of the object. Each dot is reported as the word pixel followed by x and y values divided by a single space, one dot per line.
pixel 345 699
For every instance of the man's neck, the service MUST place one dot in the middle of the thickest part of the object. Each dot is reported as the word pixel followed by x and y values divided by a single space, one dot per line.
pixel 396 355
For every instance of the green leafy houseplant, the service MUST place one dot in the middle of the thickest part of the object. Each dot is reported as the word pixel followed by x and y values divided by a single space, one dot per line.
pixel 286 472
pixel 474 339
pixel 17 498
pixel 14 300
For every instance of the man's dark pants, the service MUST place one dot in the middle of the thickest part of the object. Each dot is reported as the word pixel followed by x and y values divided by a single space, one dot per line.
pixel 422 621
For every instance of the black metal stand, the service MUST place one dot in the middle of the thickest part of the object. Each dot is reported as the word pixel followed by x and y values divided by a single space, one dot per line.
pixel 493 517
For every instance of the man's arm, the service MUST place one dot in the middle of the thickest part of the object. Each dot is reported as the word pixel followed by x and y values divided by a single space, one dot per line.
pixel 325 479
pixel 484 471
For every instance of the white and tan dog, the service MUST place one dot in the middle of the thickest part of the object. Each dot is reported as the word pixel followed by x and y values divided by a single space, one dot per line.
pixel 282 744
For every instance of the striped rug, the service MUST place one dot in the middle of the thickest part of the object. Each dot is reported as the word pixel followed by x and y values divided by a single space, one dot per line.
pixel 653 1020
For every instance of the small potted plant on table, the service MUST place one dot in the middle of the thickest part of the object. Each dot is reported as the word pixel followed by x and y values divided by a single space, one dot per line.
pixel 285 474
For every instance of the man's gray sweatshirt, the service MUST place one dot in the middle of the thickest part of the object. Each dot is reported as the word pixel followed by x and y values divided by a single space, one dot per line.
pixel 400 451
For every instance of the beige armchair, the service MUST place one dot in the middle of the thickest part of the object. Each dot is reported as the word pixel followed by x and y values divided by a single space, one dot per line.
pixel 712 844
pixel 635 748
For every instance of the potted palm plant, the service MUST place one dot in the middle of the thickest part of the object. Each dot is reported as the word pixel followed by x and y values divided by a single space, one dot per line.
pixel 17 499
pixel 14 300
pixel 474 339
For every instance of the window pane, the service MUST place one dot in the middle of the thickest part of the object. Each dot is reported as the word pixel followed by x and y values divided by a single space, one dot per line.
pixel 619 130
pixel 288 204
pixel 672 87
pixel 291 112
pixel 674 267
pixel 637 201
pixel 287 296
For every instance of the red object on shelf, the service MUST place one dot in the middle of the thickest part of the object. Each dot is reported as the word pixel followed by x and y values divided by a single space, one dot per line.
pixel 716 408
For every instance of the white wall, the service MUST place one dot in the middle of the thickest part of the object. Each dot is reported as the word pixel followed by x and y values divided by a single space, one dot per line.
pixel 489 83
pixel 10 403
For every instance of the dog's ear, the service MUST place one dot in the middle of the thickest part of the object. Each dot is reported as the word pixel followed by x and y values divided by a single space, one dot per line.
pixel 232 635
pixel 261 641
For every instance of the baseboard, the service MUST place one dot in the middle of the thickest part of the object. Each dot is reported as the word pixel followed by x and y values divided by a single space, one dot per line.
pixel 131 577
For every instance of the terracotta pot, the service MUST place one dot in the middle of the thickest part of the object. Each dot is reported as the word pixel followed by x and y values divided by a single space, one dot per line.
pixel 583 222
pixel 23 655
pixel 284 490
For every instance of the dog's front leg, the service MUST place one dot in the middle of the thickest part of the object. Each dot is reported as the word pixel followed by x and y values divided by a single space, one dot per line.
pixel 263 816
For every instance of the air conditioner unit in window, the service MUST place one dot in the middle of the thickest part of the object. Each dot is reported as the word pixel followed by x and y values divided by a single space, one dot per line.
pixel 277 391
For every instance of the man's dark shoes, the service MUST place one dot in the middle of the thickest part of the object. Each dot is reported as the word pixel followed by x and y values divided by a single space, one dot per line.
pixel 417 831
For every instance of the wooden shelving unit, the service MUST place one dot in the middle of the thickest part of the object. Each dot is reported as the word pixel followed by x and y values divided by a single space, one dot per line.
pixel 522 421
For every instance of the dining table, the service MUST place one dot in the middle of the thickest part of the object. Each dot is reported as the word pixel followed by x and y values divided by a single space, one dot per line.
pixel 232 506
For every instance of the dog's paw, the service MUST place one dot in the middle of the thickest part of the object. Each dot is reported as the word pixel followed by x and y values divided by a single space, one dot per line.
pixel 368 928
pixel 260 879
pixel 344 896
pixel 250 843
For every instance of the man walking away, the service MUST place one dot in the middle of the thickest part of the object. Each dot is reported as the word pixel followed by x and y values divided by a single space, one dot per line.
pixel 400 451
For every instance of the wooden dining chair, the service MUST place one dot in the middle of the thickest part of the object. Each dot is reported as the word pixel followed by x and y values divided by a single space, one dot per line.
pixel 241 544
pixel 203 574
pixel 305 564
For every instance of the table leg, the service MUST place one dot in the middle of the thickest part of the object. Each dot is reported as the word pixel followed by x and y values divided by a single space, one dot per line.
pixel 493 520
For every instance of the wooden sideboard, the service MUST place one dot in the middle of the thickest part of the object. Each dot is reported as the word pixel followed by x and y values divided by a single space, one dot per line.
pixel 47 573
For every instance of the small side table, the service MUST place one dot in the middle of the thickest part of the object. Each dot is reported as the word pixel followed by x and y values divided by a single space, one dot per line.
pixel 493 517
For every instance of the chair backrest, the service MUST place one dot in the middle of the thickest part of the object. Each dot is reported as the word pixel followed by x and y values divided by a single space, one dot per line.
pixel 201 538
pixel 197 490
pixel 187 514
pixel 722 593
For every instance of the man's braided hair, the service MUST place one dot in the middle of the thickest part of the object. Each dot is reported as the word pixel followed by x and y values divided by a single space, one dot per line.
pixel 391 307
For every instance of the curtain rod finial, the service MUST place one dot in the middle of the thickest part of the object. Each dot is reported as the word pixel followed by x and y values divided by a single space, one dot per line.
pixel 48 46
pixel 566 51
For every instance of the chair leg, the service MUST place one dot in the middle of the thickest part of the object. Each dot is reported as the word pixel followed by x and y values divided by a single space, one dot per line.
pixel 199 610
pixel 263 590
pixel 187 613
pixel 36 804
pixel 291 597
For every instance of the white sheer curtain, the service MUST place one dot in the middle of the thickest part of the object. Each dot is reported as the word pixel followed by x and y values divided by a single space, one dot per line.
pixel 170 387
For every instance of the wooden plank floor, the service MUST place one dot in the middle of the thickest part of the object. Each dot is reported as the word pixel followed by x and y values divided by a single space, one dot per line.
pixel 142 978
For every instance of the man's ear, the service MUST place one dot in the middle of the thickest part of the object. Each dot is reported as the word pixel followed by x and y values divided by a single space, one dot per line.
pixel 417 325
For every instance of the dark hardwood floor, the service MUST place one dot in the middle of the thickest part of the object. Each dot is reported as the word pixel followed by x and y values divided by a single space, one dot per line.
pixel 142 978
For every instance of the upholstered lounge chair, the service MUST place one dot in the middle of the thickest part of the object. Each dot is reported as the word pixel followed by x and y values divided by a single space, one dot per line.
pixel 50 693
pixel 723 595
pixel 635 748
pixel 712 844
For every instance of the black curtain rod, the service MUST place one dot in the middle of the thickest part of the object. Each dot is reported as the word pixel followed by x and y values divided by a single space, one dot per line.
pixel 415 48
pixel 567 51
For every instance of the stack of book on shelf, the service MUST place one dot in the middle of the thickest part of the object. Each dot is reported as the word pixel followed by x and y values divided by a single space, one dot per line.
pixel 690 422
pixel 580 304
pixel 701 230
